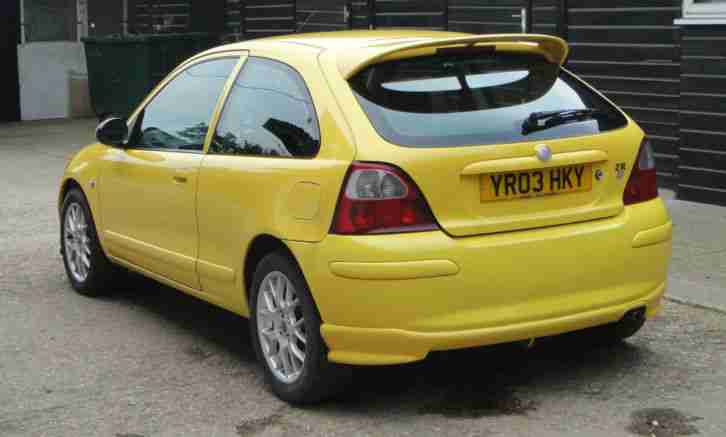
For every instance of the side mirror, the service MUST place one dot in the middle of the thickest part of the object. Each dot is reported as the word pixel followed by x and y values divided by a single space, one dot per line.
pixel 112 132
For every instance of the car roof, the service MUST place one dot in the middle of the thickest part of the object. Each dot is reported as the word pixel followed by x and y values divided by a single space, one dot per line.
pixel 340 40
pixel 353 50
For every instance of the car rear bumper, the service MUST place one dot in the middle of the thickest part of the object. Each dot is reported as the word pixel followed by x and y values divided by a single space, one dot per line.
pixel 366 346
pixel 389 299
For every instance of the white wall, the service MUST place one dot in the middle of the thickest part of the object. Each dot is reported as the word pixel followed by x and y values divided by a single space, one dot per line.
pixel 53 76
pixel 53 80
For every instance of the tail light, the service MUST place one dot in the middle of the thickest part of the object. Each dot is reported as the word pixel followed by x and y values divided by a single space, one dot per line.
pixel 380 199
pixel 642 185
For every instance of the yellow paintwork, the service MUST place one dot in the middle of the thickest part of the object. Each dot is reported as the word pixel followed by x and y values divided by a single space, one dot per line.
pixel 556 279
pixel 394 269
pixel 353 61
pixel 653 235
pixel 530 162
pixel 370 346
pixel 188 219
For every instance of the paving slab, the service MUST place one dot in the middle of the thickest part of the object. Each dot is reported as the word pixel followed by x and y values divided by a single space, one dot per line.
pixel 698 268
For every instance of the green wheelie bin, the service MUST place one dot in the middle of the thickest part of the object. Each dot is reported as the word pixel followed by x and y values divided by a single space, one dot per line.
pixel 122 70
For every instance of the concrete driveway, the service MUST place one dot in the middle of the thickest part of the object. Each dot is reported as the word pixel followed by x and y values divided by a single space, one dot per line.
pixel 149 361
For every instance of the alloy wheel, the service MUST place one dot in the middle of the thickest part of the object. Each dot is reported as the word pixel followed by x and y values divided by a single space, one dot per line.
pixel 76 242
pixel 280 327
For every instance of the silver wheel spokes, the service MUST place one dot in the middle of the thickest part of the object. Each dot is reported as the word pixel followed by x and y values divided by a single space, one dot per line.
pixel 76 242
pixel 280 327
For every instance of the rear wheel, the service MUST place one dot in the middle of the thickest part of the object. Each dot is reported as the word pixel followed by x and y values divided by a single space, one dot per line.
pixel 285 329
pixel 89 271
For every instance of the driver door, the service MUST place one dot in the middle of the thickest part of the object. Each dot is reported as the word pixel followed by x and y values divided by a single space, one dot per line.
pixel 148 190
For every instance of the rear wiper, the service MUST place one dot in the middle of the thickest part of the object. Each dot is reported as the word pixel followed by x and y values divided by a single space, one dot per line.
pixel 538 121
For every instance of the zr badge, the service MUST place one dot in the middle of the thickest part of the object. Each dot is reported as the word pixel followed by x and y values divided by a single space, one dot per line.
pixel 620 170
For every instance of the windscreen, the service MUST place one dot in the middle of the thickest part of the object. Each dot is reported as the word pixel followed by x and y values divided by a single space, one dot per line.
pixel 478 98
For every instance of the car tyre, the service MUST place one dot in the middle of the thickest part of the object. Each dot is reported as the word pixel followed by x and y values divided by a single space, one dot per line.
pixel 312 379
pixel 87 267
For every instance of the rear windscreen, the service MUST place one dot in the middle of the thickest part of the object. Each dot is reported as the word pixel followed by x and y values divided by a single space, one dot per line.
pixel 448 100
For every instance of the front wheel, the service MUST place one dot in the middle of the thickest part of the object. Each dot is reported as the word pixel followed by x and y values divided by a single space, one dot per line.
pixel 285 329
pixel 89 271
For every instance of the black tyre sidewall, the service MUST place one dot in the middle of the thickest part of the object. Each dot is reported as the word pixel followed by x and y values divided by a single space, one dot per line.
pixel 99 273
pixel 320 378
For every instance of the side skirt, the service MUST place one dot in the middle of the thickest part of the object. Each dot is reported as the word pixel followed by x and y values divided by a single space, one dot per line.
pixel 176 285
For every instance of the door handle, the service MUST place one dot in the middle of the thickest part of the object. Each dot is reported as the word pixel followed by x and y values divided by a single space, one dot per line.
pixel 179 179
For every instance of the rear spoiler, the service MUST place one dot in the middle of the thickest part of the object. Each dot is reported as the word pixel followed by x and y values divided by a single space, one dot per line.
pixel 351 62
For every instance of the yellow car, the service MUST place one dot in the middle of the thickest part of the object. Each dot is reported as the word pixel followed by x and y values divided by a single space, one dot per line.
pixel 365 198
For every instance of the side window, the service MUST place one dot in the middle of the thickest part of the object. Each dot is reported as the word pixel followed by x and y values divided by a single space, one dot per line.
pixel 178 117
pixel 269 112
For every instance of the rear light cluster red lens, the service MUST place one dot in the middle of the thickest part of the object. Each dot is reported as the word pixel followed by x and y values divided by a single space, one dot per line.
pixel 380 199
pixel 642 185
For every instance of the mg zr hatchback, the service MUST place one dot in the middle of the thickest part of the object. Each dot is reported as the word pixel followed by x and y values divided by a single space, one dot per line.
pixel 365 198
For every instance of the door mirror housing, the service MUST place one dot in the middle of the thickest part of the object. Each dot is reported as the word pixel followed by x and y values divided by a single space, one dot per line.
pixel 112 132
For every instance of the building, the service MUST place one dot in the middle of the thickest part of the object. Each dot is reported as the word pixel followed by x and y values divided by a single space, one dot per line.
pixel 664 61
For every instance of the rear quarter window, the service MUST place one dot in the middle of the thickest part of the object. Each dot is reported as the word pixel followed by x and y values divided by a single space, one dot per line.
pixel 449 100
pixel 269 113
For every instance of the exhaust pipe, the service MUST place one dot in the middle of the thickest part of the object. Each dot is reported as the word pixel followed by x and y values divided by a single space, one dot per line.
pixel 631 323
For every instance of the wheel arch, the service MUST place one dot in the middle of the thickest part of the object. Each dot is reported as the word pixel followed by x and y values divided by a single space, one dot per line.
pixel 67 186
pixel 261 246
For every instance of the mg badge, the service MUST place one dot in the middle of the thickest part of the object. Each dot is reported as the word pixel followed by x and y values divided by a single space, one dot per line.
pixel 544 153
pixel 599 174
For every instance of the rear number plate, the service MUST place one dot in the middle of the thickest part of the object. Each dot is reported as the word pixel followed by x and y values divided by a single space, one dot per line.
pixel 534 183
